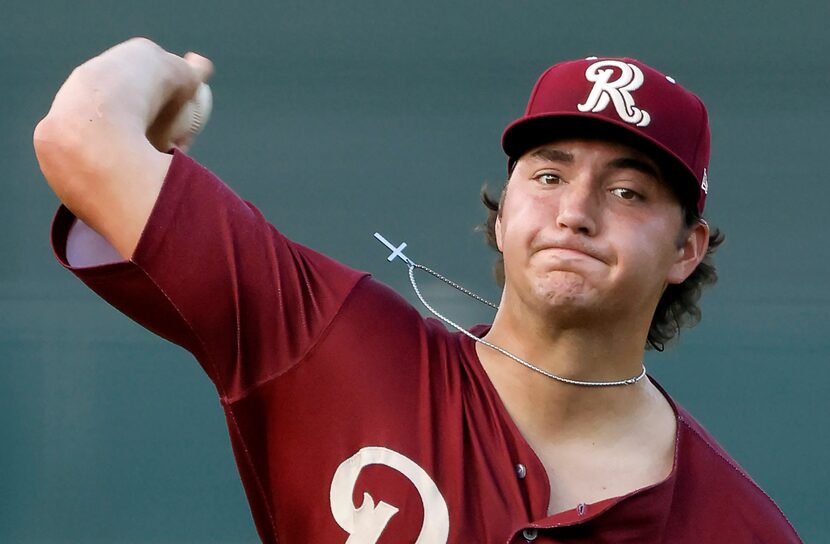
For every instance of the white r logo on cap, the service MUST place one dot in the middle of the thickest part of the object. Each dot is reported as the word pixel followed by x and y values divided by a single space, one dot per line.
pixel 617 91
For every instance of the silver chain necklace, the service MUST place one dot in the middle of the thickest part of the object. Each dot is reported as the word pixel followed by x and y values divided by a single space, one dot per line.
pixel 397 252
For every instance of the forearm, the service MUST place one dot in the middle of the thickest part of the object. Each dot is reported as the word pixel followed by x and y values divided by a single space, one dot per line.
pixel 86 169
pixel 101 144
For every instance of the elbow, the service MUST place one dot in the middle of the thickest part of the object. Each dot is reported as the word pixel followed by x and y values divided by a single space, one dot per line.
pixel 60 156
pixel 54 145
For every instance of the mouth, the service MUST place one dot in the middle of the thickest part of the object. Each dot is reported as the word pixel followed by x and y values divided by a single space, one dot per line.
pixel 568 251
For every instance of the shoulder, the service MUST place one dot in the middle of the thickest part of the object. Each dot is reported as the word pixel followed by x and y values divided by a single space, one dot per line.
pixel 385 328
pixel 710 481
pixel 392 313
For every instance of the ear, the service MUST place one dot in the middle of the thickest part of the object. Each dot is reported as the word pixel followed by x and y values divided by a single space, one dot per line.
pixel 497 228
pixel 690 253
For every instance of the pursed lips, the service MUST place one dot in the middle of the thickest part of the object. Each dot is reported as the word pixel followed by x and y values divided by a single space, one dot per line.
pixel 574 250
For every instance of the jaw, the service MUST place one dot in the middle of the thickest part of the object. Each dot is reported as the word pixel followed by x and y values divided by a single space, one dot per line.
pixel 555 298
pixel 563 298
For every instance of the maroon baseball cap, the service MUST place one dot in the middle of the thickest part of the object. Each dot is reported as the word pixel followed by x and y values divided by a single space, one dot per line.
pixel 618 93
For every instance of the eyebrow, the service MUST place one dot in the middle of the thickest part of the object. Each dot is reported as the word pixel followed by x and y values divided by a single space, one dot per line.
pixel 553 155
pixel 636 164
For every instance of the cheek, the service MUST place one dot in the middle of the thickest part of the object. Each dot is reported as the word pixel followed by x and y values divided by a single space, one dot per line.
pixel 527 213
pixel 647 253
pixel 513 244
pixel 516 233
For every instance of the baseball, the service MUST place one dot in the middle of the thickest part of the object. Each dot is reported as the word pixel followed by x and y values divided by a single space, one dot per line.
pixel 193 116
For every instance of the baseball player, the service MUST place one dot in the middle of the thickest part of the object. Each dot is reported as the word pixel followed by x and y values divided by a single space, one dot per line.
pixel 353 418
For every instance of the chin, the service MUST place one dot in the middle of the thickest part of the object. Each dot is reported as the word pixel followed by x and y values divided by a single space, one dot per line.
pixel 566 292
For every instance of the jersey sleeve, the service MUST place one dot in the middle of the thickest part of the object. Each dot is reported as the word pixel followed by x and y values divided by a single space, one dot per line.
pixel 210 274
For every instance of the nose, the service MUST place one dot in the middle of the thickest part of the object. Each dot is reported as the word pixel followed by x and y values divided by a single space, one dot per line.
pixel 578 209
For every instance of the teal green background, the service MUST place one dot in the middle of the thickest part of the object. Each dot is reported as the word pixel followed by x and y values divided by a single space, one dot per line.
pixel 341 118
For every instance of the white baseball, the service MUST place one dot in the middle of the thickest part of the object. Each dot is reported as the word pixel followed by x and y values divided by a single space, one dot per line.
pixel 193 116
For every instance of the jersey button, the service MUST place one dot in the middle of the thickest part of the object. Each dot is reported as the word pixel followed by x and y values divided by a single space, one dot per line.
pixel 530 534
pixel 521 471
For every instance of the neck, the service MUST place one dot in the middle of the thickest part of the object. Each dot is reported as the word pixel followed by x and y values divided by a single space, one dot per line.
pixel 585 350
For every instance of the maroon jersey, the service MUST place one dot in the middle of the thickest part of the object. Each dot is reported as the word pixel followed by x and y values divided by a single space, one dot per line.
pixel 354 419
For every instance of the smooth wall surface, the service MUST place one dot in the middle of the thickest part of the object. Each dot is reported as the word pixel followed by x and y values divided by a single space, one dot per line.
pixel 338 119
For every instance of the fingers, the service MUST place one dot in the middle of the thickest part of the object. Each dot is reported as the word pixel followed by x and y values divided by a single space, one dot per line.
pixel 189 74
pixel 201 65
pixel 202 68
pixel 133 89
pixel 183 144
pixel 185 75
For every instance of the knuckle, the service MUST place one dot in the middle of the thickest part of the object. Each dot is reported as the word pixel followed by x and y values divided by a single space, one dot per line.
pixel 181 71
pixel 143 46
pixel 142 41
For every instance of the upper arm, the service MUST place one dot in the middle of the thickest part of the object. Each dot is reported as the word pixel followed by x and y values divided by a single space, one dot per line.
pixel 107 178
pixel 212 275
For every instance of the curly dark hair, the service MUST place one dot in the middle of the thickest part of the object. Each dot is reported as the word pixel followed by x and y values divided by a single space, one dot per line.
pixel 677 307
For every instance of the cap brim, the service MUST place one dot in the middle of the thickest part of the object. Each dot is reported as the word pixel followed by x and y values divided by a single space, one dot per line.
pixel 529 132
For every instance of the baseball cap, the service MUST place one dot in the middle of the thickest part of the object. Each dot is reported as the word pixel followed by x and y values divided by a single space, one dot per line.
pixel 625 96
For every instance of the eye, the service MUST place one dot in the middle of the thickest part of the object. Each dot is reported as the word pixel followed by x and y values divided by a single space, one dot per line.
pixel 626 194
pixel 548 178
